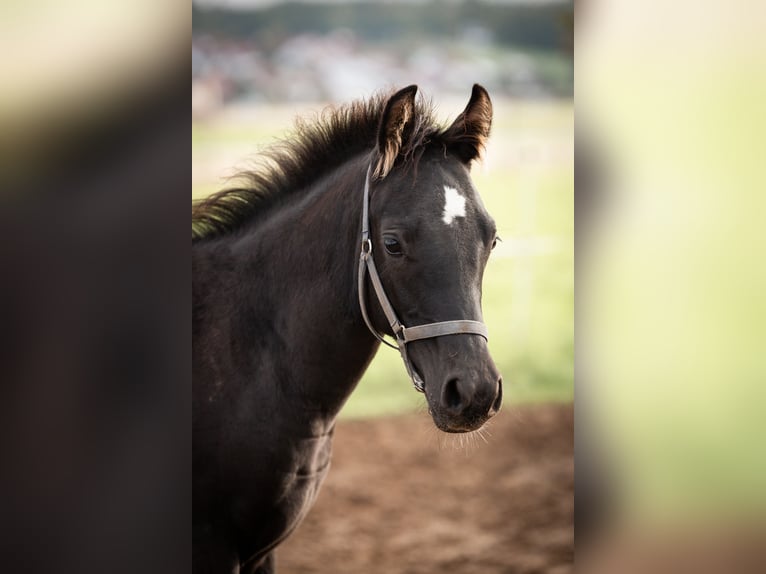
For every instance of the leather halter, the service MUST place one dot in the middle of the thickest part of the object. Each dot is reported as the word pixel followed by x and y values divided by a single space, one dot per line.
pixel 402 334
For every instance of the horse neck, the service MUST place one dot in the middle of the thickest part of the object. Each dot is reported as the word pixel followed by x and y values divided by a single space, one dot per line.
pixel 305 257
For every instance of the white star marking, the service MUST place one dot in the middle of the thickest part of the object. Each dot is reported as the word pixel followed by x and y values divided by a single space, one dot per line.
pixel 454 205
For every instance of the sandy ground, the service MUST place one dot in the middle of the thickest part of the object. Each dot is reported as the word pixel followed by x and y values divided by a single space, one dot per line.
pixel 402 497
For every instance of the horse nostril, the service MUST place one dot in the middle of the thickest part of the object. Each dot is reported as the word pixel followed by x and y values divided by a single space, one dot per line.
pixel 498 398
pixel 451 397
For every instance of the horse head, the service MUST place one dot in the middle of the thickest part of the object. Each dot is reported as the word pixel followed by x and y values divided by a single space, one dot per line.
pixel 432 237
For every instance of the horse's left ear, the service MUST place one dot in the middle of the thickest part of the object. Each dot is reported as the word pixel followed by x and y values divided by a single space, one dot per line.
pixel 399 110
pixel 467 136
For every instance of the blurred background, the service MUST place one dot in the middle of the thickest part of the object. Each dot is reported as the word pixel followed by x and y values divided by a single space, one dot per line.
pixel 404 497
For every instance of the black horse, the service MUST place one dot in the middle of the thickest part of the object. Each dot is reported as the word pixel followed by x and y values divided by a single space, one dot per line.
pixel 288 307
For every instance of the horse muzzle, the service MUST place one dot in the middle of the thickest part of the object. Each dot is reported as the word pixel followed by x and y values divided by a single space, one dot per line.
pixel 463 408
pixel 462 394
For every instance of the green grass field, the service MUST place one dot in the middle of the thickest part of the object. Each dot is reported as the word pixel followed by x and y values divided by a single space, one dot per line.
pixel 527 184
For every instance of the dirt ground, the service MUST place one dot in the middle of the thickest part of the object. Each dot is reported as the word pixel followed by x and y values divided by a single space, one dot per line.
pixel 401 497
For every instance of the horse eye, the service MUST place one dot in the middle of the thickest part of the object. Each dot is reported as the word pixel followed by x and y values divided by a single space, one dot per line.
pixel 494 243
pixel 392 246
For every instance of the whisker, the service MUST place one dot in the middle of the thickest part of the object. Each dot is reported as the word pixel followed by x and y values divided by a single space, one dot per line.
pixel 441 440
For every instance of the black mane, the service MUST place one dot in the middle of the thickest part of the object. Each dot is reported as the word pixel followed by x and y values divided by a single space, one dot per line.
pixel 292 164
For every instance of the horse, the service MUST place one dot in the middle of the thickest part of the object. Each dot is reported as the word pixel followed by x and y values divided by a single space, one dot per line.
pixel 363 224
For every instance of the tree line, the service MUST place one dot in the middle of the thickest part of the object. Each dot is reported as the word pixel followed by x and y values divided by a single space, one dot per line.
pixel 547 26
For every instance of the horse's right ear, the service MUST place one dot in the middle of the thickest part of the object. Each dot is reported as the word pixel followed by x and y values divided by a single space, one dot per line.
pixel 399 110
pixel 468 135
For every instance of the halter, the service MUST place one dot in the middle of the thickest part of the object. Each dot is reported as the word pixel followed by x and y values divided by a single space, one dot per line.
pixel 402 334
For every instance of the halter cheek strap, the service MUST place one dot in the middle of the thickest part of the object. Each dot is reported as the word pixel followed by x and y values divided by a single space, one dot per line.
pixel 402 334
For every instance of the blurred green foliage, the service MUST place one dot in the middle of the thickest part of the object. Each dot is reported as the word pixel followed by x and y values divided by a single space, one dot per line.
pixel 546 26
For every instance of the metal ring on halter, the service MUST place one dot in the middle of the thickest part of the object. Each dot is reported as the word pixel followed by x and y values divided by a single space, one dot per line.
pixel 367 246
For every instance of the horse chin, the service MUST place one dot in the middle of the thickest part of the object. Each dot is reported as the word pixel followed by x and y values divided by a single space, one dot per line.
pixel 448 424
pixel 459 427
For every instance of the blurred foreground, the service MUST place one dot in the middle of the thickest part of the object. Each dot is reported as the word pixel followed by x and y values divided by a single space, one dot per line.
pixel 671 314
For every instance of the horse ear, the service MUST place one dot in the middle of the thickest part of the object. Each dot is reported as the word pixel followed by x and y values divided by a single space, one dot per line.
pixel 467 136
pixel 400 108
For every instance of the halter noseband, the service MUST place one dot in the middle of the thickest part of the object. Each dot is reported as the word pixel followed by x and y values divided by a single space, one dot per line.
pixel 402 334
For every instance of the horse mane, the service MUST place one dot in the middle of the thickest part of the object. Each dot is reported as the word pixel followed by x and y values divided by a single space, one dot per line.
pixel 312 149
